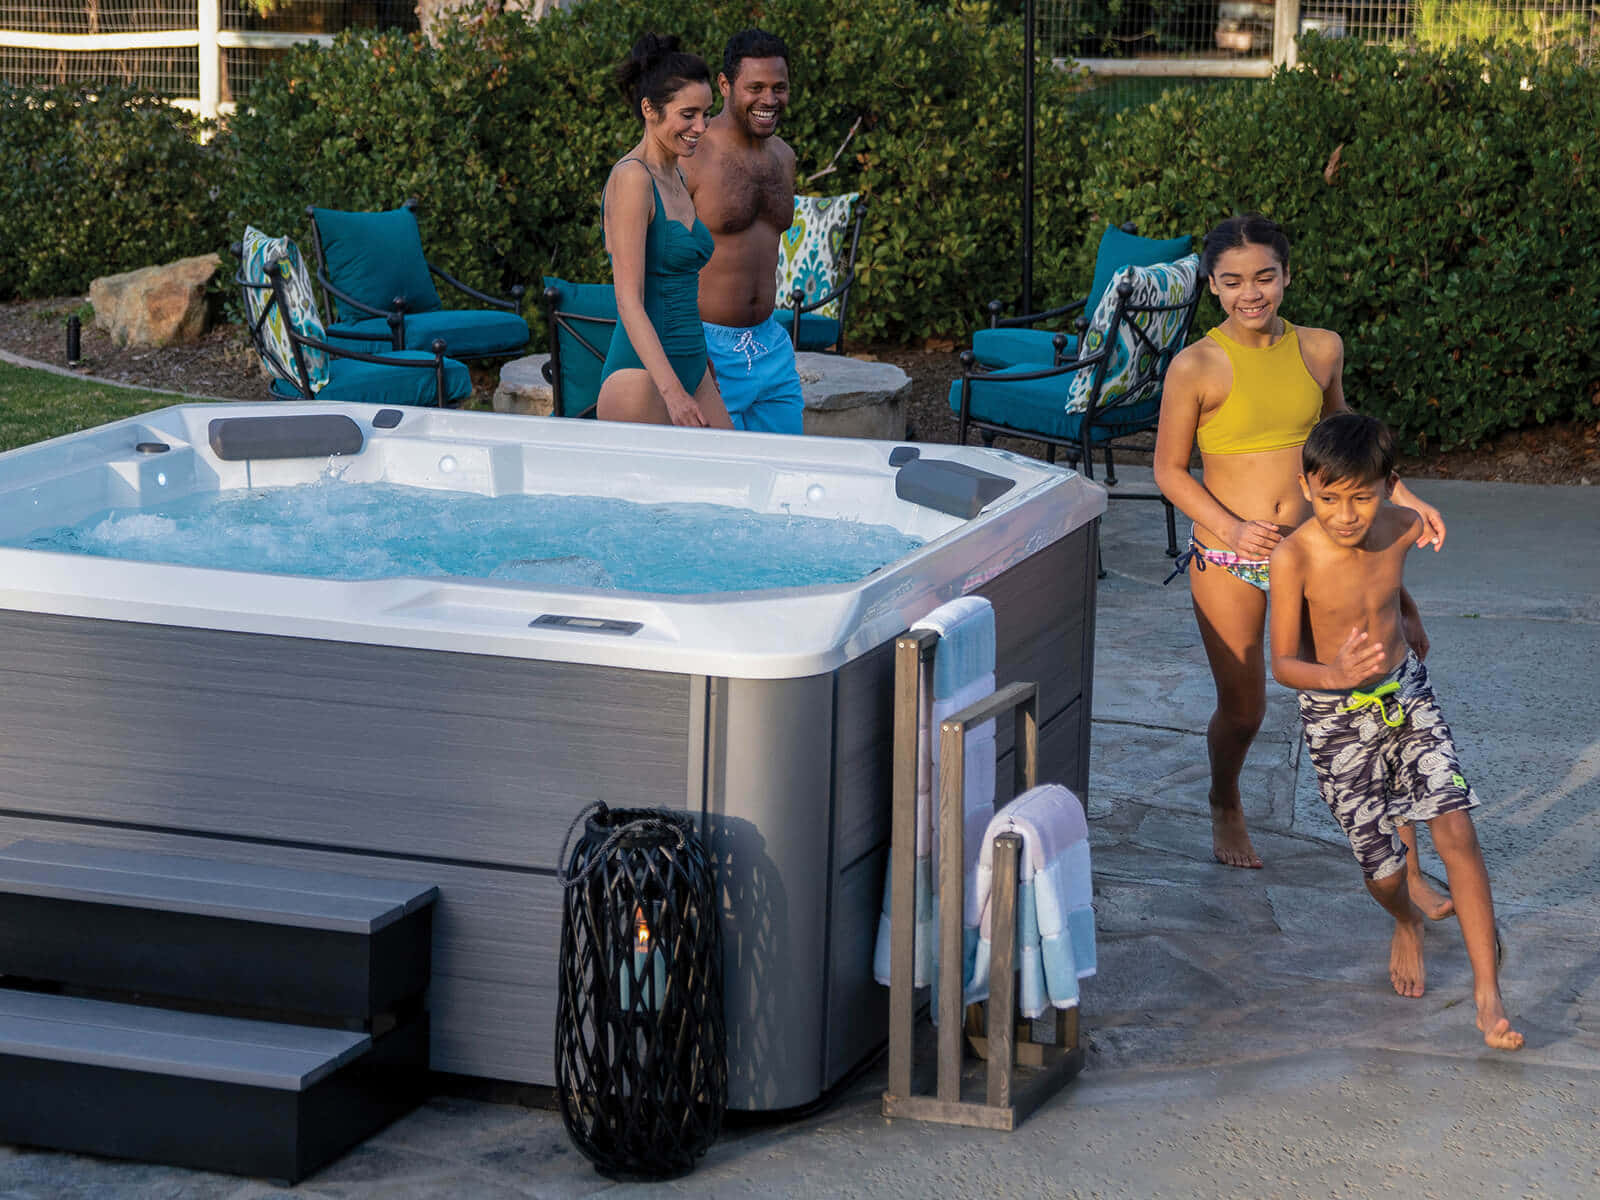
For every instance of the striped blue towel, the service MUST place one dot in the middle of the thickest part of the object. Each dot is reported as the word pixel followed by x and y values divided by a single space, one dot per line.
pixel 1055 896
pixel 961 673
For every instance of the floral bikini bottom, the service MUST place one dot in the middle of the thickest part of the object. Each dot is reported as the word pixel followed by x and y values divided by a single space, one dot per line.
pixel 1252 570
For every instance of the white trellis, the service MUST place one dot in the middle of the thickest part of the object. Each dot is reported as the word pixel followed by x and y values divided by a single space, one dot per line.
pixel 201 29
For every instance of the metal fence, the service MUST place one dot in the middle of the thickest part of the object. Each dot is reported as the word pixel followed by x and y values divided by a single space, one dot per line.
pixel 203 54
pixel 1133 48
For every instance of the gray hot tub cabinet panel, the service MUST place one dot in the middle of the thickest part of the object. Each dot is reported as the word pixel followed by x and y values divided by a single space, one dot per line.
pixel 383 749
pixel 465 771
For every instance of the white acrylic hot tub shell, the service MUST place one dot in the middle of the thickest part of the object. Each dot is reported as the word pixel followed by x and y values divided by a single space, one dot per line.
pixel 752 635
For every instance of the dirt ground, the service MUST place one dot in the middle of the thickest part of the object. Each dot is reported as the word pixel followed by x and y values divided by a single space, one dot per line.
pixel 223 365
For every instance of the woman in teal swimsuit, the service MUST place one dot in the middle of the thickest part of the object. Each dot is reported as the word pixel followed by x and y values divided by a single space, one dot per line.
pixel 656 369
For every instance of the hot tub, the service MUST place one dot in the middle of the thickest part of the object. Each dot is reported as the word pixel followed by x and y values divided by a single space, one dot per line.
pixel 451 728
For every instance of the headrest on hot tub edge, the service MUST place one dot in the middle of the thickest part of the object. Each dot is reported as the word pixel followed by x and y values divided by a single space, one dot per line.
pixel 298 435
pixel 948 486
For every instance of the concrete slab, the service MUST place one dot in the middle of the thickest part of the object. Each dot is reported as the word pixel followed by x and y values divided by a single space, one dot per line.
pixel 1242 1035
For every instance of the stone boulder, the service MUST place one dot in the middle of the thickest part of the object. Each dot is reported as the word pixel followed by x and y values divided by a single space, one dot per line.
pixel 524 389
pixel 155 306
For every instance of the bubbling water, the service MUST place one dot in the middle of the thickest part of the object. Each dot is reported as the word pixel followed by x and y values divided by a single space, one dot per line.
pixel 336 530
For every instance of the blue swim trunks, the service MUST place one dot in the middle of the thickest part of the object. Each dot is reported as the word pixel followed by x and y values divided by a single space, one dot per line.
pixel 757 376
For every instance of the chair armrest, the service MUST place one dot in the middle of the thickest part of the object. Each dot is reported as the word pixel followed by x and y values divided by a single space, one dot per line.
pixel 466 289
pixel 971 369
pixel 797 297
pixel 350 300
pixel 998 322
pixel 430 364
pixel 351 337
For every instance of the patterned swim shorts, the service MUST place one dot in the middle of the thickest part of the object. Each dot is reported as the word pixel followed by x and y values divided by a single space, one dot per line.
pixel 1384 758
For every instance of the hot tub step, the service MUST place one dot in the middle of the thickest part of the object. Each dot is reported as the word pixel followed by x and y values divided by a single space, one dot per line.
pixel 215 1093
pixel 312 944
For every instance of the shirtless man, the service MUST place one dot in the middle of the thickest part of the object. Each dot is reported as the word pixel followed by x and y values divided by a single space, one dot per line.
pixel 742 184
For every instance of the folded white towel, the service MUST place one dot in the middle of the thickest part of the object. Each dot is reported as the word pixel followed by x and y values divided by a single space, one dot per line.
pixel 1055 901
pixel 961 673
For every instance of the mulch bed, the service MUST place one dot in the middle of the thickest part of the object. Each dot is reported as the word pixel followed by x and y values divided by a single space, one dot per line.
pixel 223 365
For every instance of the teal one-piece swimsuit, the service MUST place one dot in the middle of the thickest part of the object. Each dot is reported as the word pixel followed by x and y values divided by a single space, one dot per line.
pixel 673 256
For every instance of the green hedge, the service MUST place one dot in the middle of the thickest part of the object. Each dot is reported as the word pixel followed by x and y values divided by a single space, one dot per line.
pixel 99 185
pixel 1453 239
pixel 506 133
pixel 1445 213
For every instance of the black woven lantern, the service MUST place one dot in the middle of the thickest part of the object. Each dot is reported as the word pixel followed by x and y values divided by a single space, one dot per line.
pixel 641 1053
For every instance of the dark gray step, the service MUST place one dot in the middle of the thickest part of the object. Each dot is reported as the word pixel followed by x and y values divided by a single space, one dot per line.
pixel 218 1093
pixel 129 1037
pixel 321 944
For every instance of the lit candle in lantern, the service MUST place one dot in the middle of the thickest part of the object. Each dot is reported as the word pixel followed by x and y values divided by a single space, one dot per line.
pixel 645 955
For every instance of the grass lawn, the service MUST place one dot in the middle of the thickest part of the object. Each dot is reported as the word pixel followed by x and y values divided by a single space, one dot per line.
pixel 35 405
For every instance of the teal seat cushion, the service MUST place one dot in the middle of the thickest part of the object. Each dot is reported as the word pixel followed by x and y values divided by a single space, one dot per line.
pixel 816 332
pixel 467 333
pixel 1118 250
pixel 373 383
pixel 1040 406
pixel 375 257
pixel 586 317
pixel 1009 347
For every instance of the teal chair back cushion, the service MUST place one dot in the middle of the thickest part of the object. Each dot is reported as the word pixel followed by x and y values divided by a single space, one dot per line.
pixel 375 257
pixel 1118 250
pixel 588 312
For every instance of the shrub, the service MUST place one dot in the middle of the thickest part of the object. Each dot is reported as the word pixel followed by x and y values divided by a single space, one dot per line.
pixel 506 132
pixel 100 184
pixel 1442 212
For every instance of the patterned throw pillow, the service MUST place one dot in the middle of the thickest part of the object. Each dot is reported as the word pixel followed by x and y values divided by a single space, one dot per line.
pixel 260 253
pixel 1131 360
pixel 812 250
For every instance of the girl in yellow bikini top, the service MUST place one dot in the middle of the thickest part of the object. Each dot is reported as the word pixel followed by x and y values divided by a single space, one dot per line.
pixel 1273 403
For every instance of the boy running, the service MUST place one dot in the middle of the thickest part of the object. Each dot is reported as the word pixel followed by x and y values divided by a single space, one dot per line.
pixel 1341 624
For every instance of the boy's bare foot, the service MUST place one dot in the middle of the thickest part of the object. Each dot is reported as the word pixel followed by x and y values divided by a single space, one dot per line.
pixel 1496 1026
pixel 1405 958
pixel 1434 905
pixel 1230 840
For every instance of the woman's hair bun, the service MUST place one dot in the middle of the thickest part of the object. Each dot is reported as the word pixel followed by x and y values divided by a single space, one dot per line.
pixel 655 63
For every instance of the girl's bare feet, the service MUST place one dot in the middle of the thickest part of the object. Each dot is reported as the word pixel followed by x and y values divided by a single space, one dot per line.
pixel 1434 904
pixel 1405 958
pixel 1230 840
pixel 1496 1026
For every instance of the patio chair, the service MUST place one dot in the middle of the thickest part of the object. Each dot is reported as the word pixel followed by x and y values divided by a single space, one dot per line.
pixel 1109 391
pixel 288 333
pixel 372 270
pixel 580 318
pixel 1030 338
pixel 817 269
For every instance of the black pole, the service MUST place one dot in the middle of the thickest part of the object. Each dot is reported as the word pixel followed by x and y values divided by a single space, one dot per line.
pixel 1028 15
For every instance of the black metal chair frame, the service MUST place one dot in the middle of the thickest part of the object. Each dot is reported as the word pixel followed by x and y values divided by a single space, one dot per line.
pixel 795 301
pixel 1096 416
pixel 396 312
pixel 297 340
pixel 555 321
pixel 1029 320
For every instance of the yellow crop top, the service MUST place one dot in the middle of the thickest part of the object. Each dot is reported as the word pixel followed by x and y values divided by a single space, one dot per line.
pixel 1273 403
